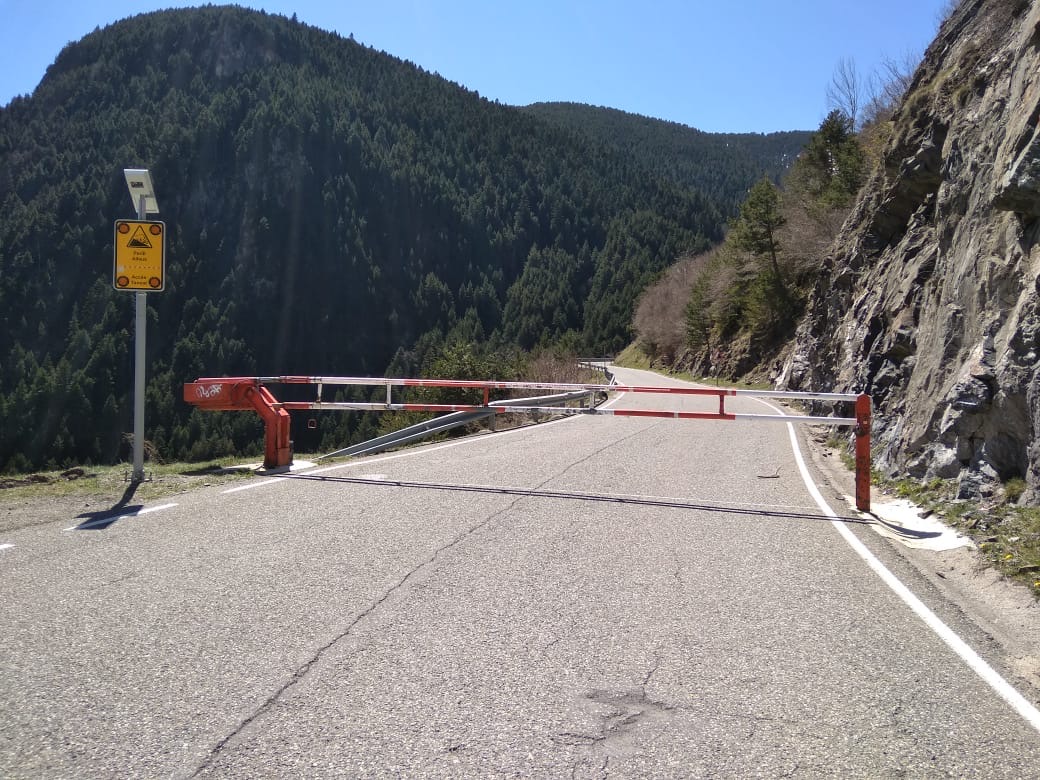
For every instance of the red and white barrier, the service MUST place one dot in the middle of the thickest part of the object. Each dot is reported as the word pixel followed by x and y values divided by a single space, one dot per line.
pixel 243 393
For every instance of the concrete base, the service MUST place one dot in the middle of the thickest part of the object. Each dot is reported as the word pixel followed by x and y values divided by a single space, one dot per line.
pixel 298 465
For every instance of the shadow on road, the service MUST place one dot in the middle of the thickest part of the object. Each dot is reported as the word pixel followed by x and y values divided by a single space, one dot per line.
pixel 667 503
pixel 99 521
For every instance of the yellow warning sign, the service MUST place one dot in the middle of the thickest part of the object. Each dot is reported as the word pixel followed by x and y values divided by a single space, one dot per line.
pixel 140 256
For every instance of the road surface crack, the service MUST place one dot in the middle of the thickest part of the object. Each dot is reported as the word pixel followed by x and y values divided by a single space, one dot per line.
pixel 594 453
pixel 302 671
pixel 628 710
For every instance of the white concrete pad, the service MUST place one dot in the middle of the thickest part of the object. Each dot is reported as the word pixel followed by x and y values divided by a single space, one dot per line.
pixel 901 520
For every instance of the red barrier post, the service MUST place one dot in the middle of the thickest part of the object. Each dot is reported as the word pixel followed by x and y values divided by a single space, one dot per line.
pixel 863 453
pixel 277 445
pixel 244 394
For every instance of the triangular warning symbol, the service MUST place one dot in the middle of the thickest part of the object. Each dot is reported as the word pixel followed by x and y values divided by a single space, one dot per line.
pixel 139 240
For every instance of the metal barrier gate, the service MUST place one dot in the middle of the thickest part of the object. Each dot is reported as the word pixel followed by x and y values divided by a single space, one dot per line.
pixel 251 393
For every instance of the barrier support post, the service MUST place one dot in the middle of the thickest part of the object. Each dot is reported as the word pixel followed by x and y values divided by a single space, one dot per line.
pixel 244 394
pixel 277 445
pixel 863 453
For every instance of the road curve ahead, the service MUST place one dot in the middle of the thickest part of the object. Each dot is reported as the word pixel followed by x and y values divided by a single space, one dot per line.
pixel 595 597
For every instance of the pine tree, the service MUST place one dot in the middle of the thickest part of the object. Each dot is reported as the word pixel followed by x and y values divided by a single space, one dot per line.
pixel 760 219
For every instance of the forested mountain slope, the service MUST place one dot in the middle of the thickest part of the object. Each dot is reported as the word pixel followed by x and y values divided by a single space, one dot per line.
pixel 330 209
pixel 723 166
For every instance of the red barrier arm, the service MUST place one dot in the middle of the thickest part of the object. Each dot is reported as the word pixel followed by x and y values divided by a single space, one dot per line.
pixel 237 394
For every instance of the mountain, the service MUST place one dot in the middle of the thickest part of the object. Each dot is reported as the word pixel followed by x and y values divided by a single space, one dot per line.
pixel 723 166
pixel 329 209
pixel 929 299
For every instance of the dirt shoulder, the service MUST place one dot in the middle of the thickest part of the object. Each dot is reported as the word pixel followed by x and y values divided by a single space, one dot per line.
pixel 83 494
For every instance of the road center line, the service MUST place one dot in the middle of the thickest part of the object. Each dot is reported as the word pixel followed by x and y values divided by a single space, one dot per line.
pixel 1003 688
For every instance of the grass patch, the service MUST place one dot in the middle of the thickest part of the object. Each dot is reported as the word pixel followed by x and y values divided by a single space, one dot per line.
pixel 633 356
pixel 1007 535
pixel 840 445
pixel 104 482
pixel 1013 489
pixel 934 492
pixel 1009 540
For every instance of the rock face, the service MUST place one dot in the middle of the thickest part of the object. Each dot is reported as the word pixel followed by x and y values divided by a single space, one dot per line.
pixel 930 298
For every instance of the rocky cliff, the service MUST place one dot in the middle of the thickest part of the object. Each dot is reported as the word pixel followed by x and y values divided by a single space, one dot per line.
pixel 930 298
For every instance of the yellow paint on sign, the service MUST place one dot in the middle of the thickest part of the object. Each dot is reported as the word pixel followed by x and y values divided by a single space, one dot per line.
pixel 140 256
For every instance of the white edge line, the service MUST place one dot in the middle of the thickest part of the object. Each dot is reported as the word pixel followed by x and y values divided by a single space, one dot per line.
pixel 115 518
pixel 975 662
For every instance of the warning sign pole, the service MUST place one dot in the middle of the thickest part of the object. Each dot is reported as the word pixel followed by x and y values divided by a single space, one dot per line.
pixel 140 329
pixel 139 181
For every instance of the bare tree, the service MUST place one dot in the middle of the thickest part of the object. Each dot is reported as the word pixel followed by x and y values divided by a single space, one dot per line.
pixel 888 85
pixel 845 92
pixel 659 319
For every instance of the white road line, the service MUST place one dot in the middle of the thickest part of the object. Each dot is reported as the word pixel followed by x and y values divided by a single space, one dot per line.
pixel 250 486
pixel 150 509
pixel 612 401
pixel 6 546
pixel 112 519
pixel 1003 688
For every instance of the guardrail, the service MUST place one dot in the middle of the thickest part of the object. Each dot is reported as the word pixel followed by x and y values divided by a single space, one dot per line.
pixel 444 423
pixel 244 393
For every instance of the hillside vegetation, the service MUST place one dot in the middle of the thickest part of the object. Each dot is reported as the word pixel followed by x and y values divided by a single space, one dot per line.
pixel 731 310
pixel 723 166
pixel 330 210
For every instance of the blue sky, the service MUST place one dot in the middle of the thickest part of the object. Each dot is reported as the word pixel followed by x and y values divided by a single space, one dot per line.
pixel 717 65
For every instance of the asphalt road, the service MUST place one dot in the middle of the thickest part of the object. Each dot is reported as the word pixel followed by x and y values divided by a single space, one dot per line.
pixel 597 597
